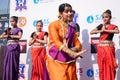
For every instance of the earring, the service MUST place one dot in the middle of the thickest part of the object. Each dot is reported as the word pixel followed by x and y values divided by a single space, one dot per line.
pixel 59 16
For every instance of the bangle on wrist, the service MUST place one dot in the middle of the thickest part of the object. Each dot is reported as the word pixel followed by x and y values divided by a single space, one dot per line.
pixel 73 49
pixel 61 47
pixel 72 54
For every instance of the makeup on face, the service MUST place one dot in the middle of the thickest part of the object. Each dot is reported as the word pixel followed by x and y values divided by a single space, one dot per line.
pixel 13 22
pixel 39 26
pixel 106 18
pixel 67 14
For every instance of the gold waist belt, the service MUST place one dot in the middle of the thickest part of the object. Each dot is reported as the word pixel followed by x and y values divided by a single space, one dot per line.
pixel 12 42
pixel 106 43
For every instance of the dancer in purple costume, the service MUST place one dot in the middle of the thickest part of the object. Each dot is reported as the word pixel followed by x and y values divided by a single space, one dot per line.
pixel 12 53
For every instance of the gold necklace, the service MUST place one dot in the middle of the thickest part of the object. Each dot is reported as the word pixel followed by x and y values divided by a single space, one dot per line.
pixel 63 25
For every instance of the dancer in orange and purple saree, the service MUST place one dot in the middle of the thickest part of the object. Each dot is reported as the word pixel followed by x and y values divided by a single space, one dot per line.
pixel 64 46
pixel 38 52
pixel 106 50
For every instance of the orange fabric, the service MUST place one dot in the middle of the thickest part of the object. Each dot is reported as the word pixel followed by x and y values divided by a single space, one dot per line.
pixel 60 71
pixel 56 35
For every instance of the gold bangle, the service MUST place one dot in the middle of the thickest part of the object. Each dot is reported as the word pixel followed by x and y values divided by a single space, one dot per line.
pixel 61 47
pixel 73 54
pixel 73 49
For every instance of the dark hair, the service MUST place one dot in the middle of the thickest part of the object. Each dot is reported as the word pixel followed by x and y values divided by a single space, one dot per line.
pixel 15 18
pixel 108 12
pixel 73 11
pixel 62 7
pixel 39 21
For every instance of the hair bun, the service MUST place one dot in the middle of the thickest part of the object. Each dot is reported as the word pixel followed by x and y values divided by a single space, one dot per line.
pixel 108 11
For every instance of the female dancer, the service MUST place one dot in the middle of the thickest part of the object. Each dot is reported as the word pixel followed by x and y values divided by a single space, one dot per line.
pixel 64 46
pixel 106 50
pixel 38 40
pixel 12 53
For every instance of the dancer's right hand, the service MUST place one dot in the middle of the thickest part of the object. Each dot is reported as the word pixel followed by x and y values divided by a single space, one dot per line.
pixel 76 55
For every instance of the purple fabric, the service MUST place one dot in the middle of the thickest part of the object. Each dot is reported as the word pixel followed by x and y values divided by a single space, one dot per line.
pixel 71 31
pixel 60 55
pixel 11 60
pixel 15 31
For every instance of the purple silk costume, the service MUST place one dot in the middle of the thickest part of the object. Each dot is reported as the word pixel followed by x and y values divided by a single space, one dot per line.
pixel 60 55
pixel 11 59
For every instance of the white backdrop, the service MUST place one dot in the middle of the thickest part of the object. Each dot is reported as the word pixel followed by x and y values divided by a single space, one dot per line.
pixel 88 16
